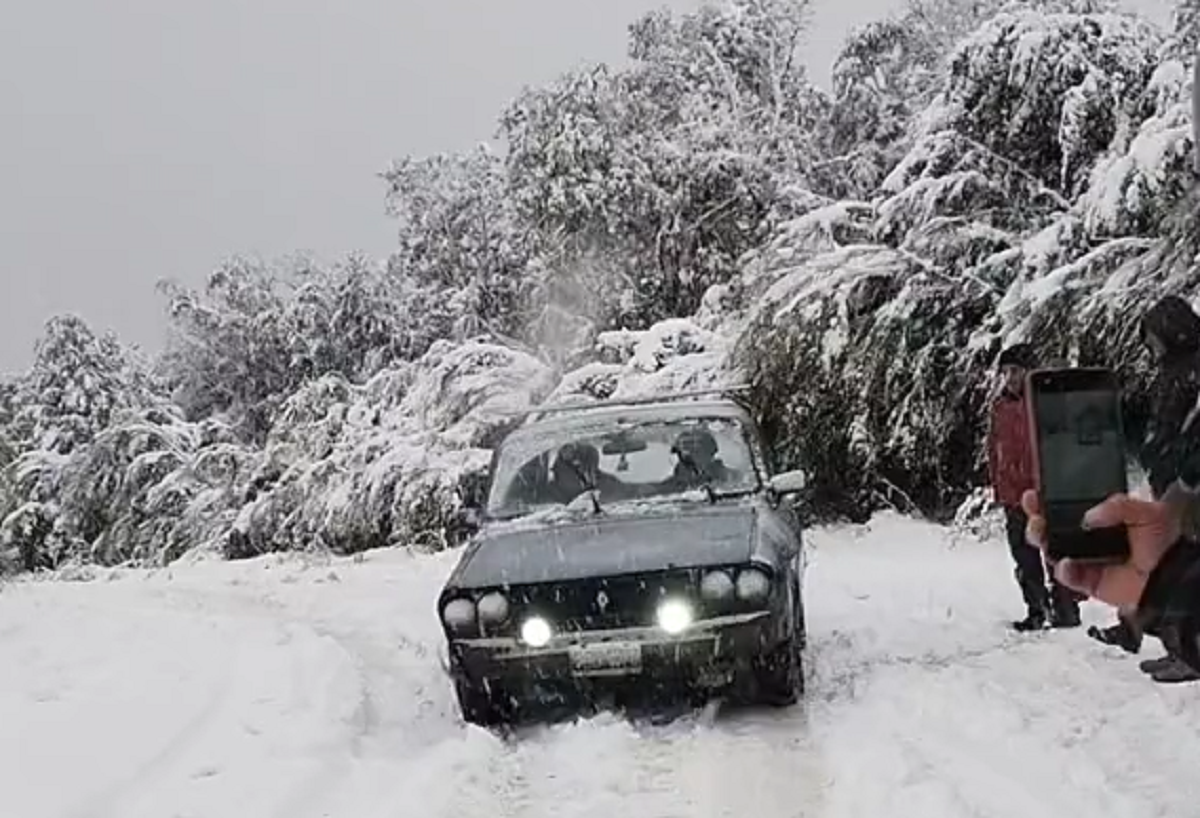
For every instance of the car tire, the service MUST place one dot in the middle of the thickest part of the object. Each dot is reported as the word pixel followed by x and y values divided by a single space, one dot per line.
pixel 779 674
pixel 801 625
pixel 483 705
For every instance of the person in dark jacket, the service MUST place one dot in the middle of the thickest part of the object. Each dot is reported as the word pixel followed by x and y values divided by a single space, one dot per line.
pixel 1171 331
pixel 1159 586
pixel 1010 472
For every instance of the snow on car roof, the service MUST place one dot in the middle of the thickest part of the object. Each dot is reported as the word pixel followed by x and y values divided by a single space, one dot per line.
pixel 586 417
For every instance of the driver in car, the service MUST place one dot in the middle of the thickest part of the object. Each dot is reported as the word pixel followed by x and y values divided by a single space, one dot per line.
pixel 698 463
pixel 576 470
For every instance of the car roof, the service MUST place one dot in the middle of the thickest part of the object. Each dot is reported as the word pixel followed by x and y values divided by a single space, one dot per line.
pixel 608 414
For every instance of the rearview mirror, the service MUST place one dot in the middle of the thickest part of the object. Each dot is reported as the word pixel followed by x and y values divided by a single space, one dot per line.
pixel 789 482
pixel 622 444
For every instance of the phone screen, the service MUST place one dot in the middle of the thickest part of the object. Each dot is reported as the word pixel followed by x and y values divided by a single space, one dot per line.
pixel 1082 447
pixel 1081 459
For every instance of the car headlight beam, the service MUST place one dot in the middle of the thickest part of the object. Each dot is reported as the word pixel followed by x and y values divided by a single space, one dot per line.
pixel 674 616
pixel 536 632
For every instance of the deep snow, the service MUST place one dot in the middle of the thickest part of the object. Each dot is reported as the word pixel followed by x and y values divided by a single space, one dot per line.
pixel 296 687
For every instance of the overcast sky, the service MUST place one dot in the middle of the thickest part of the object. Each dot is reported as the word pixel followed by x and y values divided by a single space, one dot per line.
pixel 148 139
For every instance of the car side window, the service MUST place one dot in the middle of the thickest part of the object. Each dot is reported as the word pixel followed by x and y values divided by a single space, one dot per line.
pixel 529 486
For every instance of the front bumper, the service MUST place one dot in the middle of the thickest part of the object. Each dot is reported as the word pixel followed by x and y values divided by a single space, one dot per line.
pixel 707 653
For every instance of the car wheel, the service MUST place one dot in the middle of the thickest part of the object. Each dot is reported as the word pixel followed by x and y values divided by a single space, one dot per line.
pixel 780 674
pixel 485 705
pixel 801 625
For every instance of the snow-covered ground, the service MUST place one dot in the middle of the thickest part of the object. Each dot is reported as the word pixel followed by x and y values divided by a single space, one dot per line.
pixel 294 688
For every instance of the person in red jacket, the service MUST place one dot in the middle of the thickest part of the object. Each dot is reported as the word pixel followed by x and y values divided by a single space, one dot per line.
pixel 1010 471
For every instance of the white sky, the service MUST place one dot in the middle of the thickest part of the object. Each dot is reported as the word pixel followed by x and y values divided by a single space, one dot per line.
pixel 148 139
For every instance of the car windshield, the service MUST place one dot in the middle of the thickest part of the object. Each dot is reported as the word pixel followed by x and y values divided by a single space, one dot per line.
pixel 632 461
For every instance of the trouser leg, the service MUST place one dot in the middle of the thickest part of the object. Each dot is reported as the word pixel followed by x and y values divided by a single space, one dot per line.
pixel 1027 562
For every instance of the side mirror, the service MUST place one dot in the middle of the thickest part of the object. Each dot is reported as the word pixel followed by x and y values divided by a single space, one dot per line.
pixel 789 482
pixel 471 516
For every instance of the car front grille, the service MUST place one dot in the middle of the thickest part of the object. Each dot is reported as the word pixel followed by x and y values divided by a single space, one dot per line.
pixel 610 602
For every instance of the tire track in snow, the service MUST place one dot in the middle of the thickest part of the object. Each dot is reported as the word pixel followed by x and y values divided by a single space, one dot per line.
pixel 404 696
pixel 373 666
pixel 110 802
pixel 394 724
pixel 404 709
pixel 741 762
pixel 333 762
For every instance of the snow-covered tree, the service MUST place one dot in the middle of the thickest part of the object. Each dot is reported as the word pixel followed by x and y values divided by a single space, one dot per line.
pixel 661 175
pixel 8 453
pixel 349 467
pixel 878 79
pixel 1048 91
pixel 230 348
pixel 77 382
pixel 460 242
pixel 259 331
pixel 1185 37
pixel 1019 176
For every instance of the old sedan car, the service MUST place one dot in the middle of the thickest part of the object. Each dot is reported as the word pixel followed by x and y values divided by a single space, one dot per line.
pixel 625 545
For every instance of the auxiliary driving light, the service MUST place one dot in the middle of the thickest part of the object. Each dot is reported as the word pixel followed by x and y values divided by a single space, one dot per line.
pixel 753 584
pixel 674 616
pixel 716 585
pixel 493 608
pixel 459 614
pixel 535 632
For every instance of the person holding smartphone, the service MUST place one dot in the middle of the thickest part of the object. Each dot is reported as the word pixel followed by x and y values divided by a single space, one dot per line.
pixel 1170 329
pixel 1011 473
pixel 1159 584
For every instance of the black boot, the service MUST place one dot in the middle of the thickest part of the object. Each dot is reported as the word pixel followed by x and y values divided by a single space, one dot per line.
pixel 1119 634
pixel 1065 618
pixel 1064 611
pixel 1174 671
pixel 1035 620
pixel 1155 665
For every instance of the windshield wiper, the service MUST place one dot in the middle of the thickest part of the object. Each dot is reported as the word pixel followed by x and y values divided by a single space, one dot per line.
pixel 589 486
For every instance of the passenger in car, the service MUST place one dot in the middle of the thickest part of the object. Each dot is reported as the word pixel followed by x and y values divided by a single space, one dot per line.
pixel 698 461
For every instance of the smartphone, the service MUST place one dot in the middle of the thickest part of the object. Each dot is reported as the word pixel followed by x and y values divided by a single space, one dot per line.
pixel 1079 450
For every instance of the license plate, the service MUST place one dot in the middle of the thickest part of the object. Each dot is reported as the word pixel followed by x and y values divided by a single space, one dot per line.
pixel 606 658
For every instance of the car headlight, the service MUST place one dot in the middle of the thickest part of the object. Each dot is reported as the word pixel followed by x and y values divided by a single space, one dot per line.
pixel 753 584
pixel 674 615
pixel 536 632
pixel 459 614
pixel 716 585
pixel 493 608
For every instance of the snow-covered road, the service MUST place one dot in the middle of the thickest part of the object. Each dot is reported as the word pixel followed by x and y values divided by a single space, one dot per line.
pixel 296 688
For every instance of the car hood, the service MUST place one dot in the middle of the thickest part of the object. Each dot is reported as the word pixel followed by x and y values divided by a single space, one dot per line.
pixel 603 546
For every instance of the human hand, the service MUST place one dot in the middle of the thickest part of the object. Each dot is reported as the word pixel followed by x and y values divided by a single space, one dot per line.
pixel 1153 527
